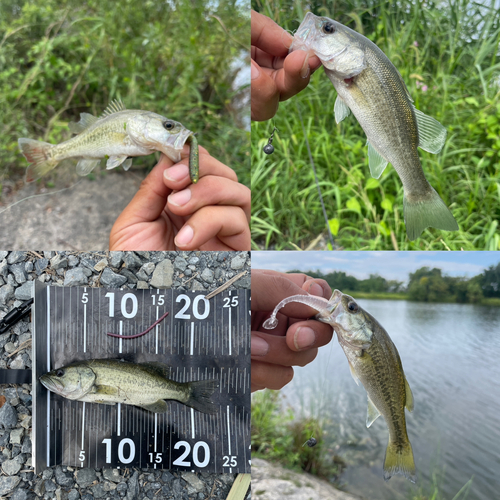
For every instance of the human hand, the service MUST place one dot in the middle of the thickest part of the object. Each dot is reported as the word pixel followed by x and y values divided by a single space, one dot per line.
pixel 276 75
pixel 170 213
pixel 293 342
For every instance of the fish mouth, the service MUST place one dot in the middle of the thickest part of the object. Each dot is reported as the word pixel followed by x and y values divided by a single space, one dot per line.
pixel 51 384
pixel 177 141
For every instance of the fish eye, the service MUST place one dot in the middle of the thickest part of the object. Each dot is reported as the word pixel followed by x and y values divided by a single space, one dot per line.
pixel 168 125
pixel 329 28
pixel 60 372
pixel 353 307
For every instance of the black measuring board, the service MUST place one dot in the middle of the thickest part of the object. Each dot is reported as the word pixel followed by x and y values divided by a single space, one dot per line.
pixel 200 339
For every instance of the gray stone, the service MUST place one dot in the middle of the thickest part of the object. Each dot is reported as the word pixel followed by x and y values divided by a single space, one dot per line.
pixel 19 273
pixel 180 263
pixel 121 488
pixel 11 467
pixel 101 265
pixel 112 475
pixel 27 446
pixel 85 477
pixel 131 278
pixel 194 481
pixel 7 484
pixel 75 277
pixel 133 487
pixel 194 260
pixel 244 282
pixel 17 256
pixel 73 495
pixel 111 279
pixel 4 268
pixel 8 416
pixel 197 286
pixel 39 488
pixel 176 487
pixel 163 274
pixel 148 268
pixel 16 435
pixel 63 479
pixel 20 494
pixel 3 254
pixel 142 285
pixel 50 486
pixel 222 256
pixel 41 265
pixel 6 293
pixel 167 476
pixel 98 491
pixel 239 261
pixel 59 261
pixel 48 254
pixel 10 347
pixel 207 275
pixel 132 261
pixel 25 291
pixel 108 486
pixel 115 259
pixel 28 266
pixel 73 261
pixel 47 473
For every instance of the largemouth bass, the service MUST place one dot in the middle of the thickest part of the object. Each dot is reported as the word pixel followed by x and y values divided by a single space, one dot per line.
pixel 117 135
pixel 373 360
pixel 110 381
pixel 369 85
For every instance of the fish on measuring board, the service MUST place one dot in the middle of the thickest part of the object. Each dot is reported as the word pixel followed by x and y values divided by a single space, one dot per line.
pixel 111 381
pixel 373 360
pixel 118 135
pixel 369 85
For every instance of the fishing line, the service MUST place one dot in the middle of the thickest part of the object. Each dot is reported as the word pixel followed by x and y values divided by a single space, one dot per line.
pixel 315 176
pixel 39 195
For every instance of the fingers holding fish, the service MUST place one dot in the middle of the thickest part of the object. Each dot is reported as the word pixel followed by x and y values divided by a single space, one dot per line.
pixel 269 37
pixel 215 228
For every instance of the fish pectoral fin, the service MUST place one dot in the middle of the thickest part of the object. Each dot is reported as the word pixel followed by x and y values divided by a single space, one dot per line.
pixel 86 120
pixel 372 413
pixel 113 107
pixel 409 396
pixel 115 161
pixel 107 390
pixel 353 374
pixel 86 165
pixel 159 406
pixel 127 164
pixel 341 109
pixel 376 162
pixel 431 134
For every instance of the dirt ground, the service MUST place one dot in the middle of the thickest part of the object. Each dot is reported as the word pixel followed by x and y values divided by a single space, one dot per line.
pixel 78 218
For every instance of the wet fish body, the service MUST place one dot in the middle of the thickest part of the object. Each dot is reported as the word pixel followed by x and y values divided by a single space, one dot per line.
pixel 371 87
pixel 118 135
pixel 110 381
pixel 374 360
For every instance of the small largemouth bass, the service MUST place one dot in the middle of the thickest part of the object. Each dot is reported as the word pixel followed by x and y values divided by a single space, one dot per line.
pixel 110 381
pixel 374 360
pixel 117 135
pixel 369 85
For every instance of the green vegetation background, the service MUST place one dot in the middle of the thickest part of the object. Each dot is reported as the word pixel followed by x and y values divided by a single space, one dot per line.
pixel 59 58
pixel 451 48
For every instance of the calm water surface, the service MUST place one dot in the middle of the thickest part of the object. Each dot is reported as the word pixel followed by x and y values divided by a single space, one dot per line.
pixel 451 357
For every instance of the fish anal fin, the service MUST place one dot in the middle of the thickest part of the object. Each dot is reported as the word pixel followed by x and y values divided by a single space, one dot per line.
pixel 127 164
pixel 114 106
pixel 115 161
pixel 159 406
pixel 341 109
pixel 86 121
pixel 409 397
pixel 431 134
pixel 376 162
pixel 85 166
pixel 372 413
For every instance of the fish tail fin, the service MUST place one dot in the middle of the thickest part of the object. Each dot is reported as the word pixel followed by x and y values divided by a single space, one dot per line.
pixel 200 393
pixel 399 460
pixel 36 152
pixel 427 211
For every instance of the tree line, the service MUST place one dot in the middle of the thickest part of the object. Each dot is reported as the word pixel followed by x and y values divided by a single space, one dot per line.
pixel 424 285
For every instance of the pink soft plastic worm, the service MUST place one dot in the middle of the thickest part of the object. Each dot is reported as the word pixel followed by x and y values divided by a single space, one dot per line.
pixel 139 334
pixel 318 303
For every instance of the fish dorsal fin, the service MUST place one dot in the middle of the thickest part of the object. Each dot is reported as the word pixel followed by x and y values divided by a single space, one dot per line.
pixel 376 162
pixel 372 414
pixel 85 166
pixel 341 109
pixel 353 374
pixel 409 396
pixel 86 120
pixel 113 107
pixel 158 368
pixel 431 134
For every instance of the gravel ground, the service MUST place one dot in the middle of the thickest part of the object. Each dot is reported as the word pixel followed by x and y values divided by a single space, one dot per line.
pixel 180 270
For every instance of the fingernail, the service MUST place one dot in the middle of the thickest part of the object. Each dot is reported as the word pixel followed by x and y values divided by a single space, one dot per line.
pixel 177 172
pixel 304 338
pixel 184 236
pixel 181 198
pixel 255 71
pixel 315 289
pixel 259 347
pixel 305 70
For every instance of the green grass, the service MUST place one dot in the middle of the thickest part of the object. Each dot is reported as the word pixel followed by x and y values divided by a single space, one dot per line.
pixel 59 58
pixel 457 59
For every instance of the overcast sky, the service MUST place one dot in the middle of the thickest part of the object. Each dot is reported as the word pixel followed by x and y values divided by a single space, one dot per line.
pixel 390 265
